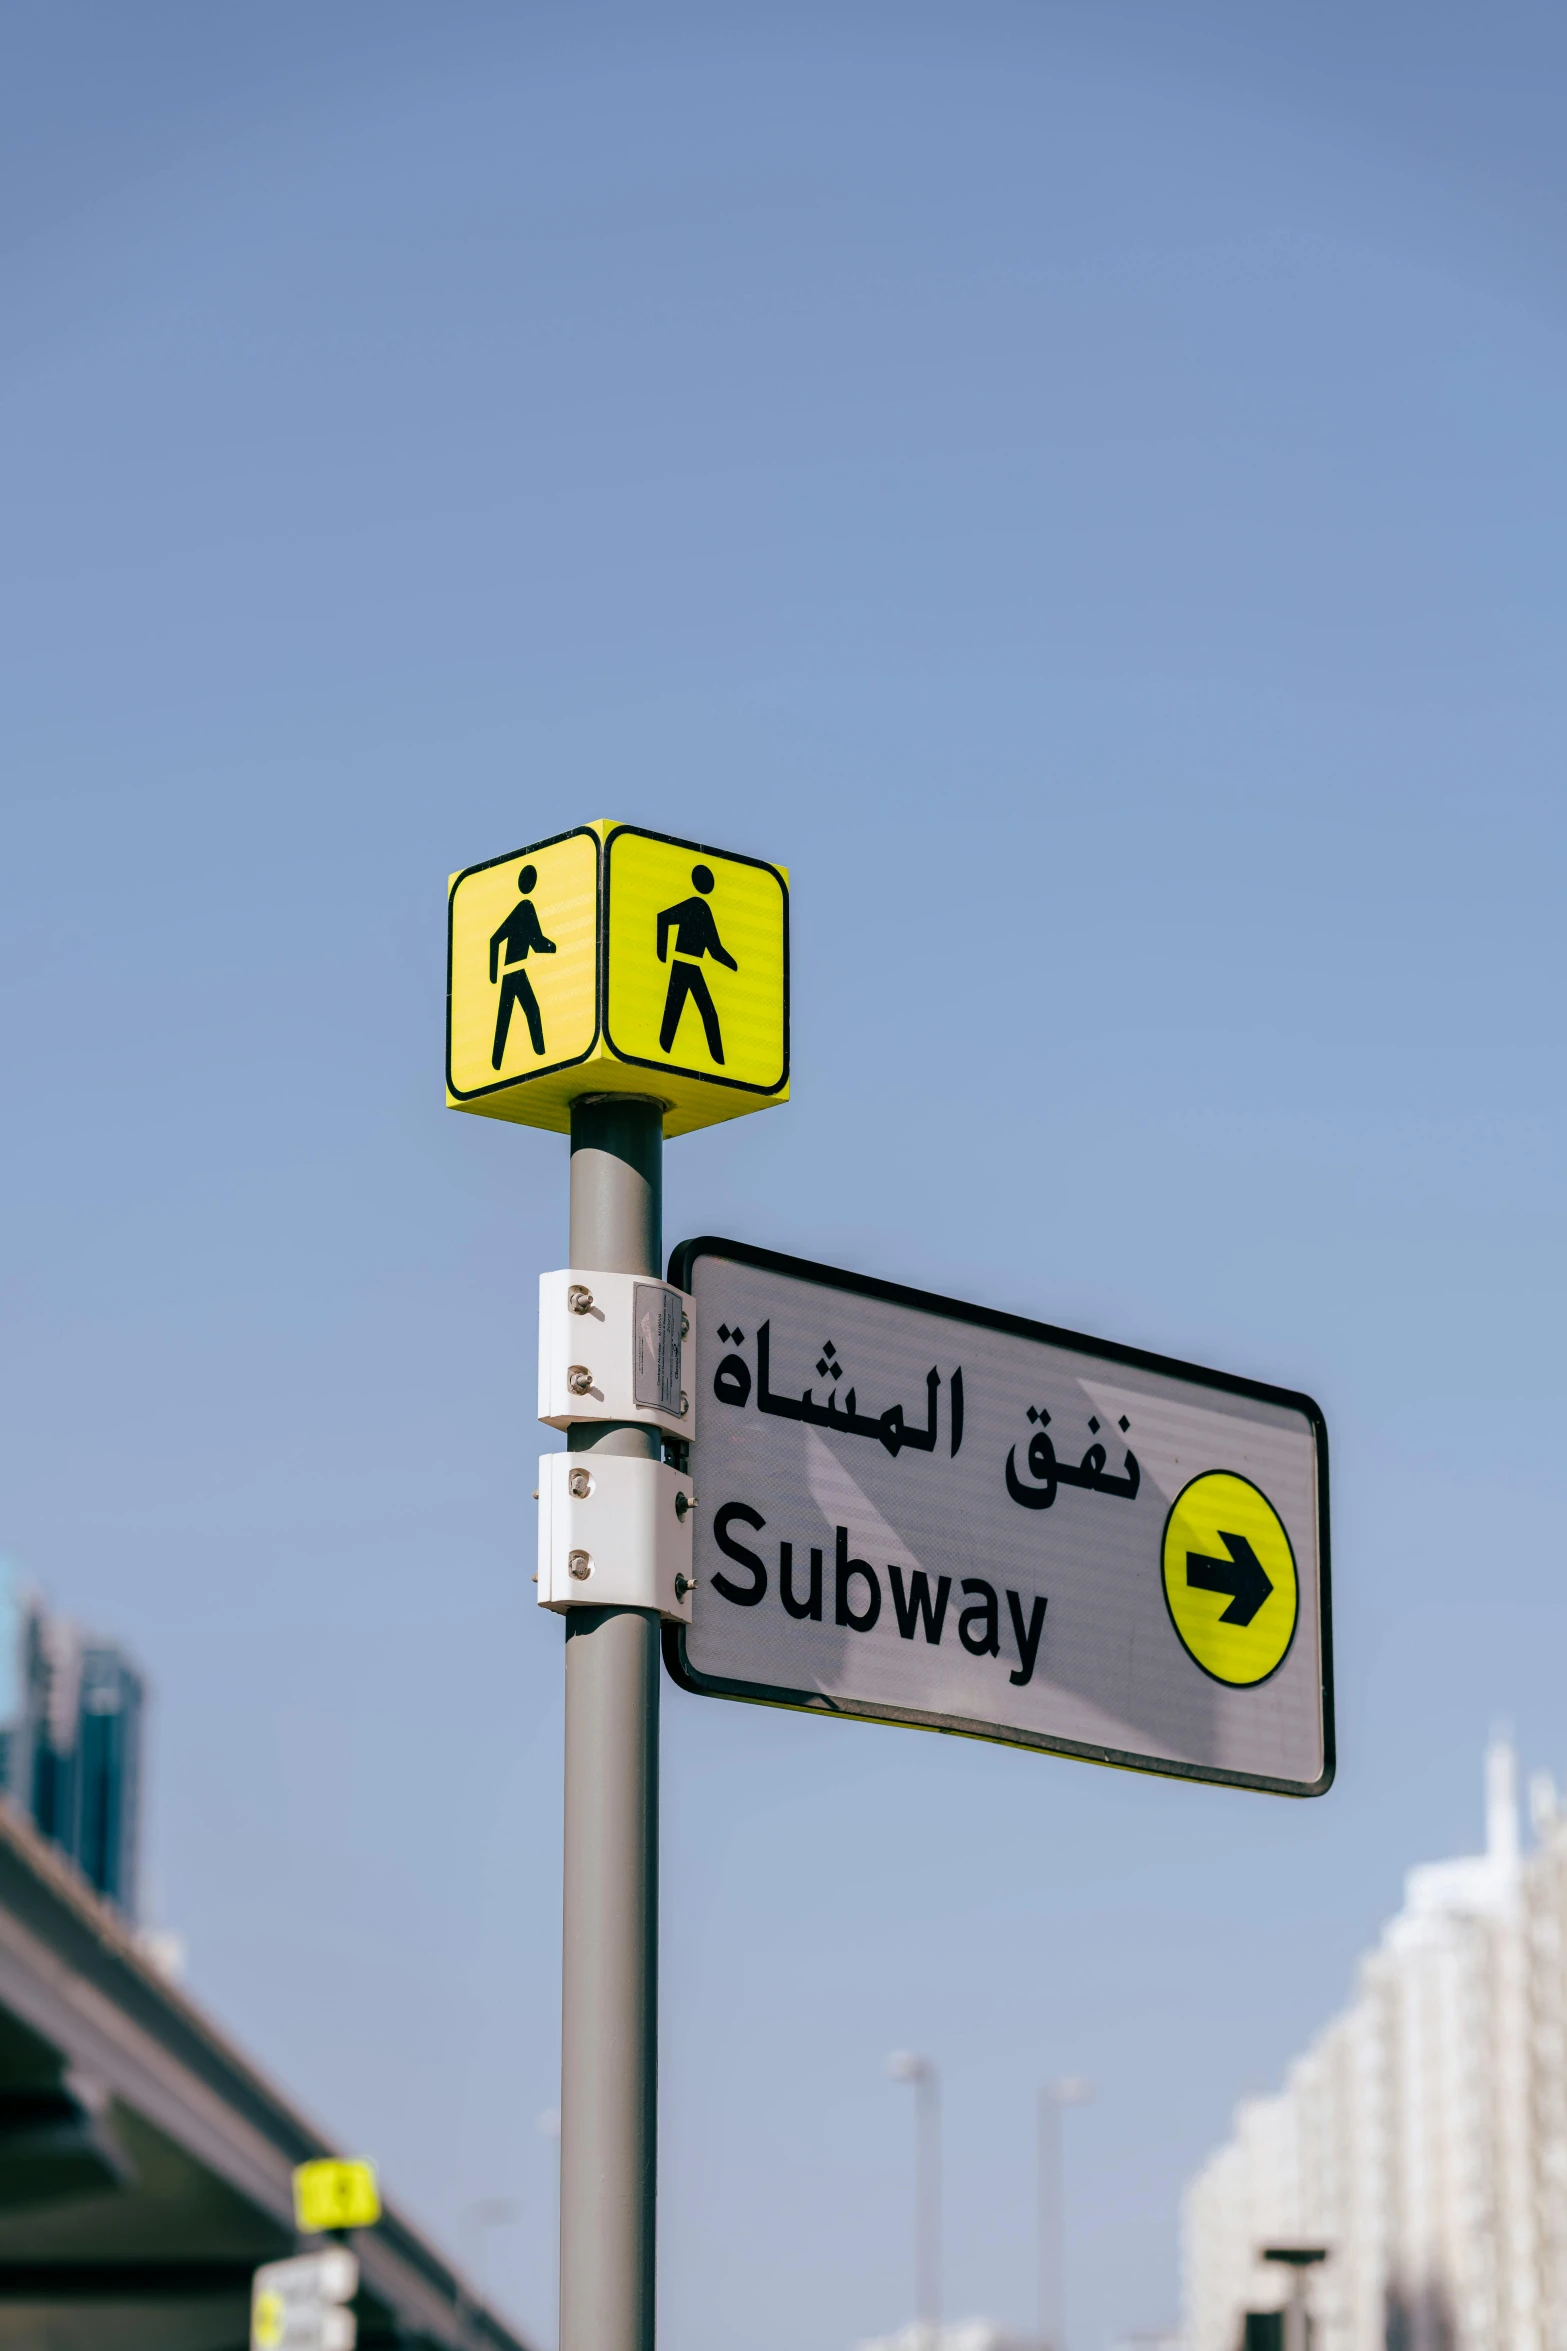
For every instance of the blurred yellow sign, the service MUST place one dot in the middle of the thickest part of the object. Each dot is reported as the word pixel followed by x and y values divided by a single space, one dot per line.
pixel 268 2319
pixel 334 2195
pixel 615 960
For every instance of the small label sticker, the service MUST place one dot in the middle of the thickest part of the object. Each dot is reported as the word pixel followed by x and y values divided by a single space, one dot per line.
pixel 655 1317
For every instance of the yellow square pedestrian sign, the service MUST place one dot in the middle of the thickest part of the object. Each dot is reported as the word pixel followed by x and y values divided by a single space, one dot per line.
pixel 614 960
pixel 333 2194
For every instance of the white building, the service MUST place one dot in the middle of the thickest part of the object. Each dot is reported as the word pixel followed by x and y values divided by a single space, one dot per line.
pixel 1422 2138
pixel 968 2334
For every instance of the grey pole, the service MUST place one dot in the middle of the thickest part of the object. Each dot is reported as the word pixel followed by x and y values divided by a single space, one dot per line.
pixel 922 2074
pixel 1050 2228
pixel 927 2106
pixel 1054 2098
pixel 1296 2337
pixel 609 1997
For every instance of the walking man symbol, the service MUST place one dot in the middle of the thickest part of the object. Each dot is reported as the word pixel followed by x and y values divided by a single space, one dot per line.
pixel 520 934
pixel 696 935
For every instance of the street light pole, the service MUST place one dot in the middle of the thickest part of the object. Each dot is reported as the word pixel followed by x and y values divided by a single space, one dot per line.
pixel 549 2125
pixel 1298 2260
pixel 927 2190
pixel 491 2212
pixel 1054 2098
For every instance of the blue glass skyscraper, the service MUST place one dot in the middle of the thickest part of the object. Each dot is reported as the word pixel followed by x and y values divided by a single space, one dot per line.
pixel 71 1727
pixel 107 1805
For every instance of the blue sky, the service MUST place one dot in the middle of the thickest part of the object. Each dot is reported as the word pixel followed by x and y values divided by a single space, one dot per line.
pixel 1082 485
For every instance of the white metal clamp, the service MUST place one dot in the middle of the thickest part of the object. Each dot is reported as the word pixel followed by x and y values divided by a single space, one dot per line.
pixel 614 1346
pixel 614 1532
pixel 615 1529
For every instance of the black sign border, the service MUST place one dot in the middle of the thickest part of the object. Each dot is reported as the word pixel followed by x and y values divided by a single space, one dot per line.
pixel 683 1259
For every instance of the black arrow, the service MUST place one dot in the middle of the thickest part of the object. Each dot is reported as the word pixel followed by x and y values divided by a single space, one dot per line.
pixel 1242 1576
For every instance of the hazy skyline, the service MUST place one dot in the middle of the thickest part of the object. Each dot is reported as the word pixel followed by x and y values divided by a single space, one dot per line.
pixel 1081 486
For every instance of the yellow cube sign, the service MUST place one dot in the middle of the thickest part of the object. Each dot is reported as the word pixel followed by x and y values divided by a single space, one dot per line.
pixel 614 960
pixel 329 2194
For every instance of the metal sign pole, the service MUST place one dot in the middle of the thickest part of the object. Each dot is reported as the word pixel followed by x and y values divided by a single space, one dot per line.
pixel 609 1999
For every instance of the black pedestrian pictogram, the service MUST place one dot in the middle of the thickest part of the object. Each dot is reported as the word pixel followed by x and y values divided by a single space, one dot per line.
pixel 696 935
pixel 521 936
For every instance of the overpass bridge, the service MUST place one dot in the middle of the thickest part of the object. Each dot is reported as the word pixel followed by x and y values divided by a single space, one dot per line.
pixel 145 2166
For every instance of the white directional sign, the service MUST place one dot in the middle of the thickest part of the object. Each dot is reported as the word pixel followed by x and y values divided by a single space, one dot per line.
pixel 299 2305
pixel 923 1512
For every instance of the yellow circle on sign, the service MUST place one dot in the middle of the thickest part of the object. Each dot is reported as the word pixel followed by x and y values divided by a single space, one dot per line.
pixel 1229 1578
pixel 267 2319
